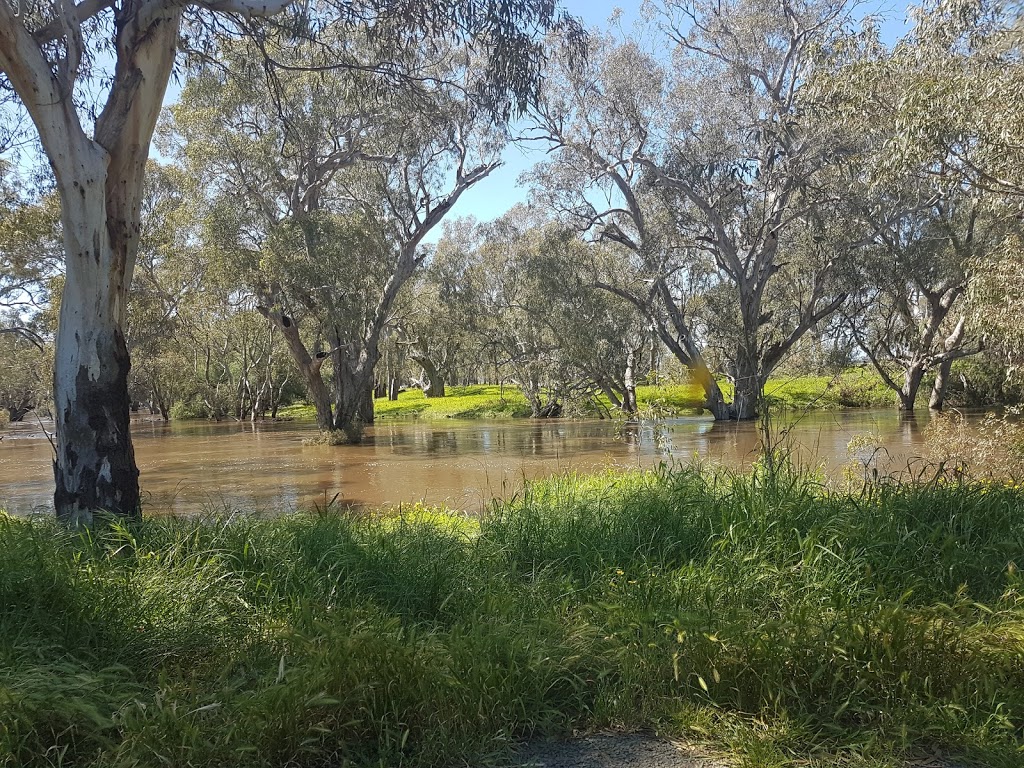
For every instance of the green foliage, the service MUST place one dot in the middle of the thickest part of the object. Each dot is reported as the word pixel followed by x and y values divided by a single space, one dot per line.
pixel 672 399
pixel 191 408
pixel 852 388
pixel 984 381
pixel 762 611
pixel 26 383
pixel 477 401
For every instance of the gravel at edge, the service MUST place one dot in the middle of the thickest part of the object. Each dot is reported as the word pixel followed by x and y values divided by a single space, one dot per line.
pixel 610 751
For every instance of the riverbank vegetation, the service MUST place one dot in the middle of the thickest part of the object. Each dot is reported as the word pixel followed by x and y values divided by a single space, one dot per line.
pixel 727 194
pixel 763 614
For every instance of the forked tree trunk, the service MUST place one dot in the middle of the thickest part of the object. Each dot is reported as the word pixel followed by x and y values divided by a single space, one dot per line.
pixel 100 184
pixel 308 365
pixel 952 349
pixel 911 386
pixel 435 381
pixel 420 355
pixel 17 410
pixel 353 393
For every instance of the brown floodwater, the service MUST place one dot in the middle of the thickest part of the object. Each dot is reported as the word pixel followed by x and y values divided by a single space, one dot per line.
pixel 192 467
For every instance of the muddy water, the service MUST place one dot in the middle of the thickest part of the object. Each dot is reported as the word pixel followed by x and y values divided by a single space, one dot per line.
pixel 195 467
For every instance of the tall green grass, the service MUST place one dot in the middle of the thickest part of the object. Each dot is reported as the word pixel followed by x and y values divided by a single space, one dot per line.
pixel 766 613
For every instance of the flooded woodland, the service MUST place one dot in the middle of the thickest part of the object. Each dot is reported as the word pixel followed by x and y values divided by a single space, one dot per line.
pixel 194 467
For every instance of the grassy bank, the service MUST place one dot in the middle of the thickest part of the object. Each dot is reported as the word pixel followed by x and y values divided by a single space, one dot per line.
pixel 774 619
pixel 851 389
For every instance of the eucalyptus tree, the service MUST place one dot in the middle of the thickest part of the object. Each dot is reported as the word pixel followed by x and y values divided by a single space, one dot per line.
pixel 195 339
pixel 525 292
pixel 439 320
pixel 969 117
pixel 30 266
pixel 30 255
pixel 28 372
pixel 428 332
pixel 514 308
pixel 910 318
pixel 957 140
pixel 707 173
pixel 602 339
pixel 324 187
pixel 91 77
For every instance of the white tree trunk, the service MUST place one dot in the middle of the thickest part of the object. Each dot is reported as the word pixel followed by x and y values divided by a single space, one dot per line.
pixel 95 464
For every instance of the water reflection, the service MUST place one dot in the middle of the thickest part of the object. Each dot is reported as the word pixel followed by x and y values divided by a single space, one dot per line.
pixel 195 466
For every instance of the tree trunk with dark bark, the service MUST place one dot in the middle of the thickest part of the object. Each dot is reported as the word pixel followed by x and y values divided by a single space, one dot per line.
pixel 100 183
pixel 912 379
pixel 747 391
pixel 353 389
pixel 95 466
pixel 353 405
pixel 18 409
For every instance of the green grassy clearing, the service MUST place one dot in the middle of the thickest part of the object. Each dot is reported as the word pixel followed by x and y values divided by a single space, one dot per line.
pixel 472 402
pixel 782 622
pixel 854 388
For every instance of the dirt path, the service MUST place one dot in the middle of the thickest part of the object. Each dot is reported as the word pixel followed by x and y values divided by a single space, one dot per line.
pixel 612 751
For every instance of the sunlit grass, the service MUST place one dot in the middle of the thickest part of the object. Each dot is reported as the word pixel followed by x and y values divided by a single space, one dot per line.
pixel 852 388
pixel 856 387
pixel 775 618
pixel 471 402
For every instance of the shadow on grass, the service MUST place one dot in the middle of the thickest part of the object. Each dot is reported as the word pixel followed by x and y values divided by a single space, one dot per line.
pixel 777 617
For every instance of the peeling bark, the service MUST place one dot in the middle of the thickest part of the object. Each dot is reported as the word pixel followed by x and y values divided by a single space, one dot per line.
pixel 628 405
pixel 938 396
pixel 435 381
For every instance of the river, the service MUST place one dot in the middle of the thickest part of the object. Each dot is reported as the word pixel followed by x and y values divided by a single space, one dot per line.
pixel 191 467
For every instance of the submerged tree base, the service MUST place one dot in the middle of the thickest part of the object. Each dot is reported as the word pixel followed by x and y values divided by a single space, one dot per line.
pixel 335 437
pixel 764 612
